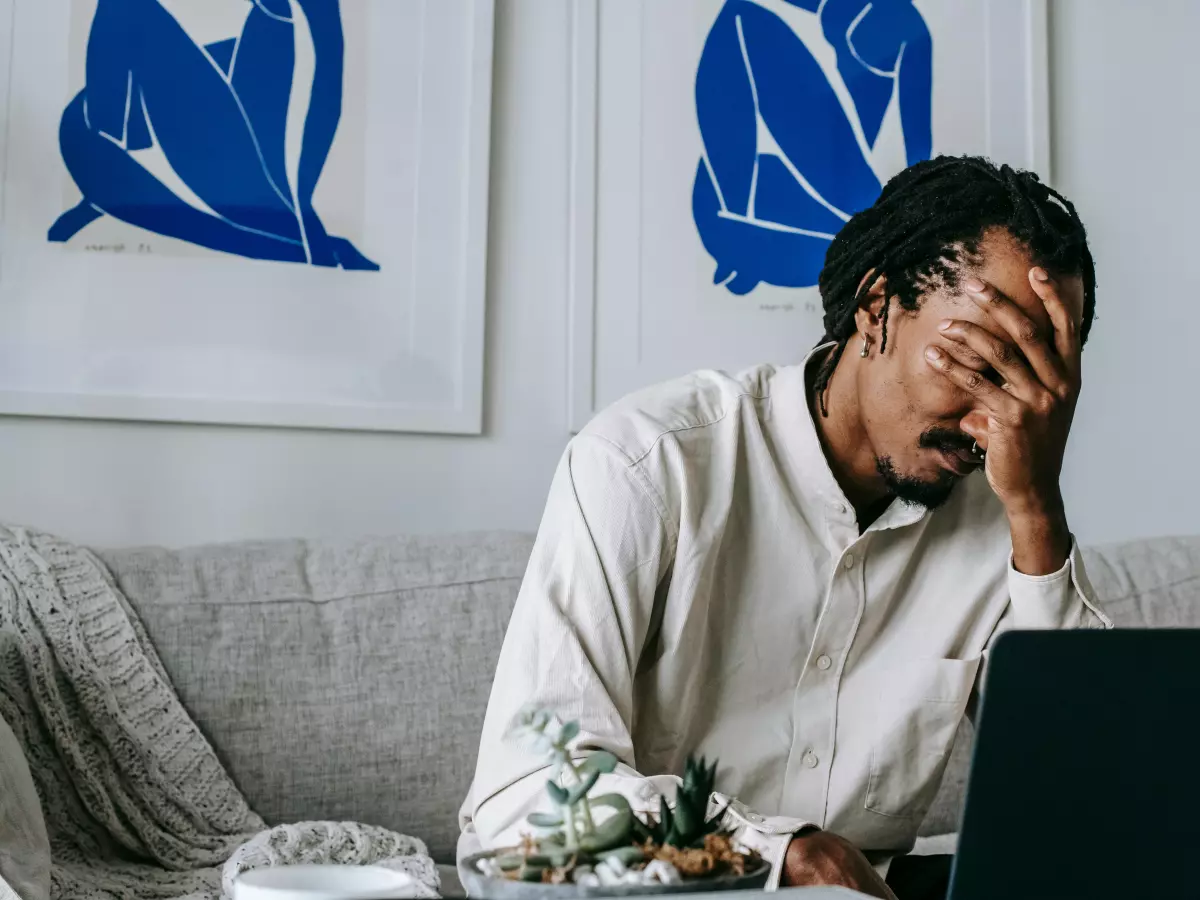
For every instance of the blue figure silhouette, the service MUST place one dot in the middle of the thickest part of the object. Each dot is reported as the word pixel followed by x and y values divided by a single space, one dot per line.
pixel 782 169
pixel 219 114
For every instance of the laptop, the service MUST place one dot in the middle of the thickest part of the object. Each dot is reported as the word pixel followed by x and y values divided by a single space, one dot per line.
pixel 1085 778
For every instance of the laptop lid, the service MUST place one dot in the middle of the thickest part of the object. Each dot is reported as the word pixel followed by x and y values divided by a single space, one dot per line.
pixel 1085 778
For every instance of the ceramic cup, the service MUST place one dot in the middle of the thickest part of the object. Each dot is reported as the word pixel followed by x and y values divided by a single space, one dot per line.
pixel 322 883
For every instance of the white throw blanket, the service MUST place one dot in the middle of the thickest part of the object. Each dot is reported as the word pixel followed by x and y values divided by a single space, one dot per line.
pixel 137 805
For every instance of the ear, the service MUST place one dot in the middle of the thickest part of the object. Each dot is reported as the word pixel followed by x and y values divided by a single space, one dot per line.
pixel 870 304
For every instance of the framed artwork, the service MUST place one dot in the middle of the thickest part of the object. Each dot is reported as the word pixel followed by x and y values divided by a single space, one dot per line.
pixel 718 146
pixel 267 212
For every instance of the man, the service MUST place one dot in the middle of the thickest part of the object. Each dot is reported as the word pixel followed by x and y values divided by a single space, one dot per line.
pixel 799 570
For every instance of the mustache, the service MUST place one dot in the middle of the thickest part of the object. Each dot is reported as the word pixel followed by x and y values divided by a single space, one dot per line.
pixel 950 439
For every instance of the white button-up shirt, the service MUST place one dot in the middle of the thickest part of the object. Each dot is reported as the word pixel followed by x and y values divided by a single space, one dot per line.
pixel 700 584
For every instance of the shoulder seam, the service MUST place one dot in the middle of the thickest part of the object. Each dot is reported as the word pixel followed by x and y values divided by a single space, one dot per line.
pixel 682 428
pixel 652 494
pixel 634 463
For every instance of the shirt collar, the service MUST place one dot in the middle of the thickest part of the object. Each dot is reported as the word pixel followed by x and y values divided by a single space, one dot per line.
pixel 808 469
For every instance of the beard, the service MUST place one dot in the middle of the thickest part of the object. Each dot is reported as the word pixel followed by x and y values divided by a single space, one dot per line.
pixel 927 492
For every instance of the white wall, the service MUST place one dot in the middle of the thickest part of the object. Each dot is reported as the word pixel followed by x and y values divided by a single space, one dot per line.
pixel 1123 83
pixel 1124 139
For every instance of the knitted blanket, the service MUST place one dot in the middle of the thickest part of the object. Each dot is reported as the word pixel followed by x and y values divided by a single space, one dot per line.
pixel 137 805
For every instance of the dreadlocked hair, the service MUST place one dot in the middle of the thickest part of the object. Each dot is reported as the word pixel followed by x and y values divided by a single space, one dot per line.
pixel 927 225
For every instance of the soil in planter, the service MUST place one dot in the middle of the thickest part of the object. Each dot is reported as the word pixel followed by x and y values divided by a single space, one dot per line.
pixel 715 859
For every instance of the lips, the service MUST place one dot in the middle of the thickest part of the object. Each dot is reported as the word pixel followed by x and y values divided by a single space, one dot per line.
pixel 960 461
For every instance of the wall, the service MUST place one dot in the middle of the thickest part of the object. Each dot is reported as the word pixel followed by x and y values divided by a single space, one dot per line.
pixel 1125 131
pixel 1123 142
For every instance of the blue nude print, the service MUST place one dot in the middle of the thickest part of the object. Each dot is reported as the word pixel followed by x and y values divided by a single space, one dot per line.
pixel 783 168
pixel 248 143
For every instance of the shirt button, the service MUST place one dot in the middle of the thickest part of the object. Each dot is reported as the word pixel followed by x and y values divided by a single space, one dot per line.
pixel 755 818
pixel 848 562
pixel 824 662
pixel 810 759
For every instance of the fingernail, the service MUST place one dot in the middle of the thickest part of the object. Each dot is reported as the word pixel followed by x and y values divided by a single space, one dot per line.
pixel 945 324
pixel 1041 274
pixel 974 284
pixel 933 354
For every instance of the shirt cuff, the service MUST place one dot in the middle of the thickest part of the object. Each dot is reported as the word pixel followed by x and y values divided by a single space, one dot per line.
pixel 768 836
pixel 1062 599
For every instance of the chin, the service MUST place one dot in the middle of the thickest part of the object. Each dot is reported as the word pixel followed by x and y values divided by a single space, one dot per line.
pixel 929 489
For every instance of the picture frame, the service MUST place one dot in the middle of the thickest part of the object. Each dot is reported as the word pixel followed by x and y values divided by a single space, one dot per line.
pixel 199 304
pixel 643 305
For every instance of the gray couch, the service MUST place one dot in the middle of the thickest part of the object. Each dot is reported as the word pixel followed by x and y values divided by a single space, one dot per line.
pixel 347 680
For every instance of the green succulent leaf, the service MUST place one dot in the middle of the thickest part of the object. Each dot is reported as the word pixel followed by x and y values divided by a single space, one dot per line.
pixel 532 873
pixel 577 791
pixel 510 862
pixel 602 762
pixel 665 819
pixel 568 733
pixel 614 831
pixel 688 822
pixel 716 824
pixel 544 820
pixel 547 860
pixel 643 831
pixel 557 793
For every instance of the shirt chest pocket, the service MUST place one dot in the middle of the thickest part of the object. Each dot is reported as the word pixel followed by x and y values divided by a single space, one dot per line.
pixel 916 718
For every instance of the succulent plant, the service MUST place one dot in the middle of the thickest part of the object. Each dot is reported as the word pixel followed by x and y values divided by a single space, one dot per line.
pixel 688 824
pixel 573 835
pixel 574 810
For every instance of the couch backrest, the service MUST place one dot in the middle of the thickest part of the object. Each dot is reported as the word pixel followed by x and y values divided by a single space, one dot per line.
pixel 342 681
pixel 348 680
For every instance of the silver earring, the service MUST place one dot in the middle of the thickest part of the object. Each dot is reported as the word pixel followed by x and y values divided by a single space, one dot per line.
pixel 866 348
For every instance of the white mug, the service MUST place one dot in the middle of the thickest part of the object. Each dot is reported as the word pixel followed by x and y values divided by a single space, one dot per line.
pixel 322 883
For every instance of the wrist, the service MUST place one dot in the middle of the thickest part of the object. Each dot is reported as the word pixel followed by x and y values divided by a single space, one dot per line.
pixel 1041 538
pixel 1036 507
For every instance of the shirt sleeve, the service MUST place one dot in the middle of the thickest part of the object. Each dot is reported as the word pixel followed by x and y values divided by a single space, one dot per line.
pixel 582 618
pixel 1061 600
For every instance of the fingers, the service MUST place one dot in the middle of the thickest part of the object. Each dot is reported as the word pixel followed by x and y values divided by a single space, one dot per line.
pixel 996 352
pixel 977 424
pixel 1066 330
pixel 1043 359
pixel 999 402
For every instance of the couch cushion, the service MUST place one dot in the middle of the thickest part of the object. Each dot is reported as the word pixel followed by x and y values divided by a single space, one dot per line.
pixel 1140 584
pixel 337 680
pixel 1148 584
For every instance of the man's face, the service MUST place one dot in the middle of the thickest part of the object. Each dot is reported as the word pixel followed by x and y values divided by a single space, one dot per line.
pixel 912 414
